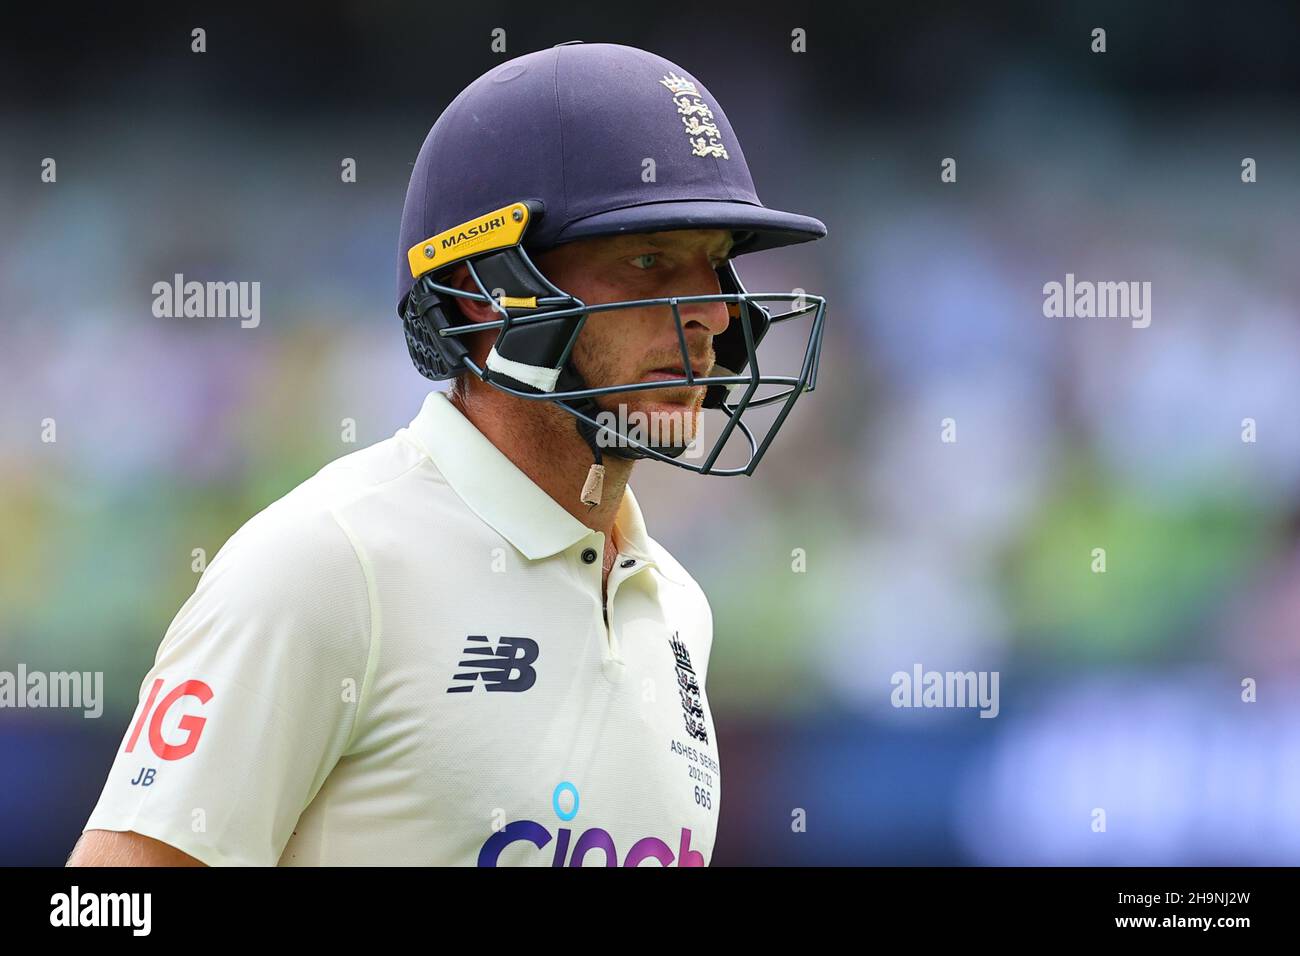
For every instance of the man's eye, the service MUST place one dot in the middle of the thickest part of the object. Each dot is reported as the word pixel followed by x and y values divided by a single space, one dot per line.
pixel 639 260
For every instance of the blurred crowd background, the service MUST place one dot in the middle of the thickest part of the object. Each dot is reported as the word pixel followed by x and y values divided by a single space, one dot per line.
pixel 1119 690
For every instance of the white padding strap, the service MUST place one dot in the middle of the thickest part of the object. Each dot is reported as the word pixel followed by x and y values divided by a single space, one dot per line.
pixel 734 392
pixel 541 378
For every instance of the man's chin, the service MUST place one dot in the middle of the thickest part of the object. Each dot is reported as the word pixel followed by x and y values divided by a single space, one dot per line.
pixel 669 420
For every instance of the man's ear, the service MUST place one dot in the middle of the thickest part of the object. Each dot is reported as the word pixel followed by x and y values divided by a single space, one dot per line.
pixel 472 309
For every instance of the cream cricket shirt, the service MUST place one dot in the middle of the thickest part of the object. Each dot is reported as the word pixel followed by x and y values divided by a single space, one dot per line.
pixel 404 661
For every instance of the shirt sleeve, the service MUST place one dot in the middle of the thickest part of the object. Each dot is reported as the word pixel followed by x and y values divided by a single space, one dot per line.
pixel 253 696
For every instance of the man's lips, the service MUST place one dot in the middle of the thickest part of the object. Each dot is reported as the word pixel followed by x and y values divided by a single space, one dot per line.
pixel 670 372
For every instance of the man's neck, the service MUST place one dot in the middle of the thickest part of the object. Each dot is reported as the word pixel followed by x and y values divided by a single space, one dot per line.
pixel 543 442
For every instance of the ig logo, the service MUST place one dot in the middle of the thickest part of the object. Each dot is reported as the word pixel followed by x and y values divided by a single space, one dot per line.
pixel 191 725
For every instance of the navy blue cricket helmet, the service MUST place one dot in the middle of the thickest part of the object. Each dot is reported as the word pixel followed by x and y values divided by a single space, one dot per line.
pixel 551 147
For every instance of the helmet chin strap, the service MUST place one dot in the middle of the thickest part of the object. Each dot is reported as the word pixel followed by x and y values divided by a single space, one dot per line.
pixel 592 489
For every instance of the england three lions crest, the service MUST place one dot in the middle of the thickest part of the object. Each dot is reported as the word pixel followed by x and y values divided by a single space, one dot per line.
pixel 689 689
pixel 697 119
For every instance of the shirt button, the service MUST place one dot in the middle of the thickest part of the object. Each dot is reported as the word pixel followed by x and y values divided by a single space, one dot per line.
pixel 589 556
pixel 628 563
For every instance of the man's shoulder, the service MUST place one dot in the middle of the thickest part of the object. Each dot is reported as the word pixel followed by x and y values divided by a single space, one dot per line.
pixel 306 527
pixel 293 573
pixel 374 470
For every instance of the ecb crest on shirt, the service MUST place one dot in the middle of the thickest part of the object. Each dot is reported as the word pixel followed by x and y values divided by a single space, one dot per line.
pixel 689 688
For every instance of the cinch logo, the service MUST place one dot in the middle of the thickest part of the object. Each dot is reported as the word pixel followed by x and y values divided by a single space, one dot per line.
pixel 593 839
pixel 507 667
pixel 193 726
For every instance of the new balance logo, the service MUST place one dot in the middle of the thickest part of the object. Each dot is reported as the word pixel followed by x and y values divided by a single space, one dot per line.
pixel 507 667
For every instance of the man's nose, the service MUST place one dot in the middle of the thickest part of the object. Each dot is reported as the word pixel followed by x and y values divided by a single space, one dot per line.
pixel 712 316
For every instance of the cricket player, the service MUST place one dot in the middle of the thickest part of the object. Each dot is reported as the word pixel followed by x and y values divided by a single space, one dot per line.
pixel 460 646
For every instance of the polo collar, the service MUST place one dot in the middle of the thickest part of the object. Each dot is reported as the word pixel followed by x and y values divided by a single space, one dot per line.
pixel 503 496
